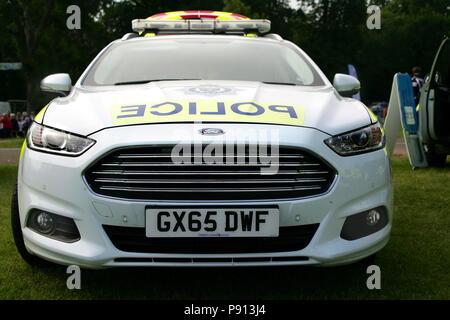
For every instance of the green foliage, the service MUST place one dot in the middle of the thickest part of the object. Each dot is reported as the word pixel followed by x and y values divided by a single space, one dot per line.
pixel 237 6
pixel 277 11
pixel 410 35
pixel 35 33
pixel 411 31
pixel 117 17
pixel 333 33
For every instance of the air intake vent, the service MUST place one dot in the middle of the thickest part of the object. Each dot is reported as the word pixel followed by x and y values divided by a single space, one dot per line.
pixel 148 173
pixel 134 240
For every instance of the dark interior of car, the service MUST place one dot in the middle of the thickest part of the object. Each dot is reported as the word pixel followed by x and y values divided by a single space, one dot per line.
pixel 441 85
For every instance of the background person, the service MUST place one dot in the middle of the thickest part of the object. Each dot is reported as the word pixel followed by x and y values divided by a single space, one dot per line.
pixel 26 123
pixel 20 123
pixel 15 126
pixel 5 132
pixel 417 83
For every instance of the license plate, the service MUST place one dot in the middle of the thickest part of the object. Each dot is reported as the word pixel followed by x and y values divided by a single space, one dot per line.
pixel 212 222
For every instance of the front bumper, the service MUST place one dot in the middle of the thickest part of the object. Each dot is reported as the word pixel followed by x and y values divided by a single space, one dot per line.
pixel 55 184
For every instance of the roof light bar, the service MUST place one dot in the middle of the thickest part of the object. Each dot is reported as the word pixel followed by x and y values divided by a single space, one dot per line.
pixel 215 26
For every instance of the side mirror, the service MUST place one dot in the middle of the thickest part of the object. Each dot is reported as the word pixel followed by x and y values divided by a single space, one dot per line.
pixel 346 85
pixel 57 83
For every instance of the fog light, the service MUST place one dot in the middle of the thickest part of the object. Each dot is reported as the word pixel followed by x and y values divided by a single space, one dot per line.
pixel 373 217
pixel 364 223
pixel 53 225
pixel 44 222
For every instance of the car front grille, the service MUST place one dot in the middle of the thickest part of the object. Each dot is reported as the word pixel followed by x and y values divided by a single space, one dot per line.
pixel 132 239
pixel 148 173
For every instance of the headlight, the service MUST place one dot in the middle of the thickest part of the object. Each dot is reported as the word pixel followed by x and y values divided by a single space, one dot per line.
pixel 47 139
pixel 360 141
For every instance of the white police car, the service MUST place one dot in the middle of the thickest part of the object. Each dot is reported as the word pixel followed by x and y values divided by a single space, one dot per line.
pixel 202 142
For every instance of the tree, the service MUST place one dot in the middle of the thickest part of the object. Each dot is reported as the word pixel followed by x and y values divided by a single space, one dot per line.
pixel 27 26
pixel 333 32
pixel 410 34
pixel 119 14
pixel 37 31
pixel 278 12
pixel 237 6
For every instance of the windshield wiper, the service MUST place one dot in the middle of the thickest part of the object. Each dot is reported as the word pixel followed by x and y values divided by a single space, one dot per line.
pixel 148 81
pixel 280 83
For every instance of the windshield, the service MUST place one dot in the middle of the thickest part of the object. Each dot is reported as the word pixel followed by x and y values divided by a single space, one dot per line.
pixel 202 59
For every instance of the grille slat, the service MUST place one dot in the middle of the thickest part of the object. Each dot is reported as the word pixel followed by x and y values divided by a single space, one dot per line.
pixel 148 173
pixel 179 172
pixel 154 156
pixel 207 181
pixel 165 164
pixel 193 189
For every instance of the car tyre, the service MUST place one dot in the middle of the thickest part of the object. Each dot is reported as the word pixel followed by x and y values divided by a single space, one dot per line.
pixel 370 260
pixel 18 235
pixel 435 159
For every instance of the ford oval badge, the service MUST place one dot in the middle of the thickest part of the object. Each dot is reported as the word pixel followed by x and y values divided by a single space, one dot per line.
pixel 211 131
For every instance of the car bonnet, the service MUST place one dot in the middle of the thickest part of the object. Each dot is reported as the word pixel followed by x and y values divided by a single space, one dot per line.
pixel 88 110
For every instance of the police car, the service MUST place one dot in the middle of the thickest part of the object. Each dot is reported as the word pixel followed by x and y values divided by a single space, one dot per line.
pixel 202 140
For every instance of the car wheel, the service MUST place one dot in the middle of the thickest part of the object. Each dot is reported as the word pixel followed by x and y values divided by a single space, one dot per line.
pixel 18 236
pixel 435 159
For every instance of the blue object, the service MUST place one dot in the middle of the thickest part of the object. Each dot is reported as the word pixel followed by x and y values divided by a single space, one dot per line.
pixel 410 118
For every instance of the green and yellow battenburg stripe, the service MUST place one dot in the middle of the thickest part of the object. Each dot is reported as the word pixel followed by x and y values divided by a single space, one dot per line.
pixel 372 115
pixel 38 118
pixel 22 150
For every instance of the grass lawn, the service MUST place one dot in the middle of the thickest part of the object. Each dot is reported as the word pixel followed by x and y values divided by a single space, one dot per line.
pixel 11 143
pixel 414 265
